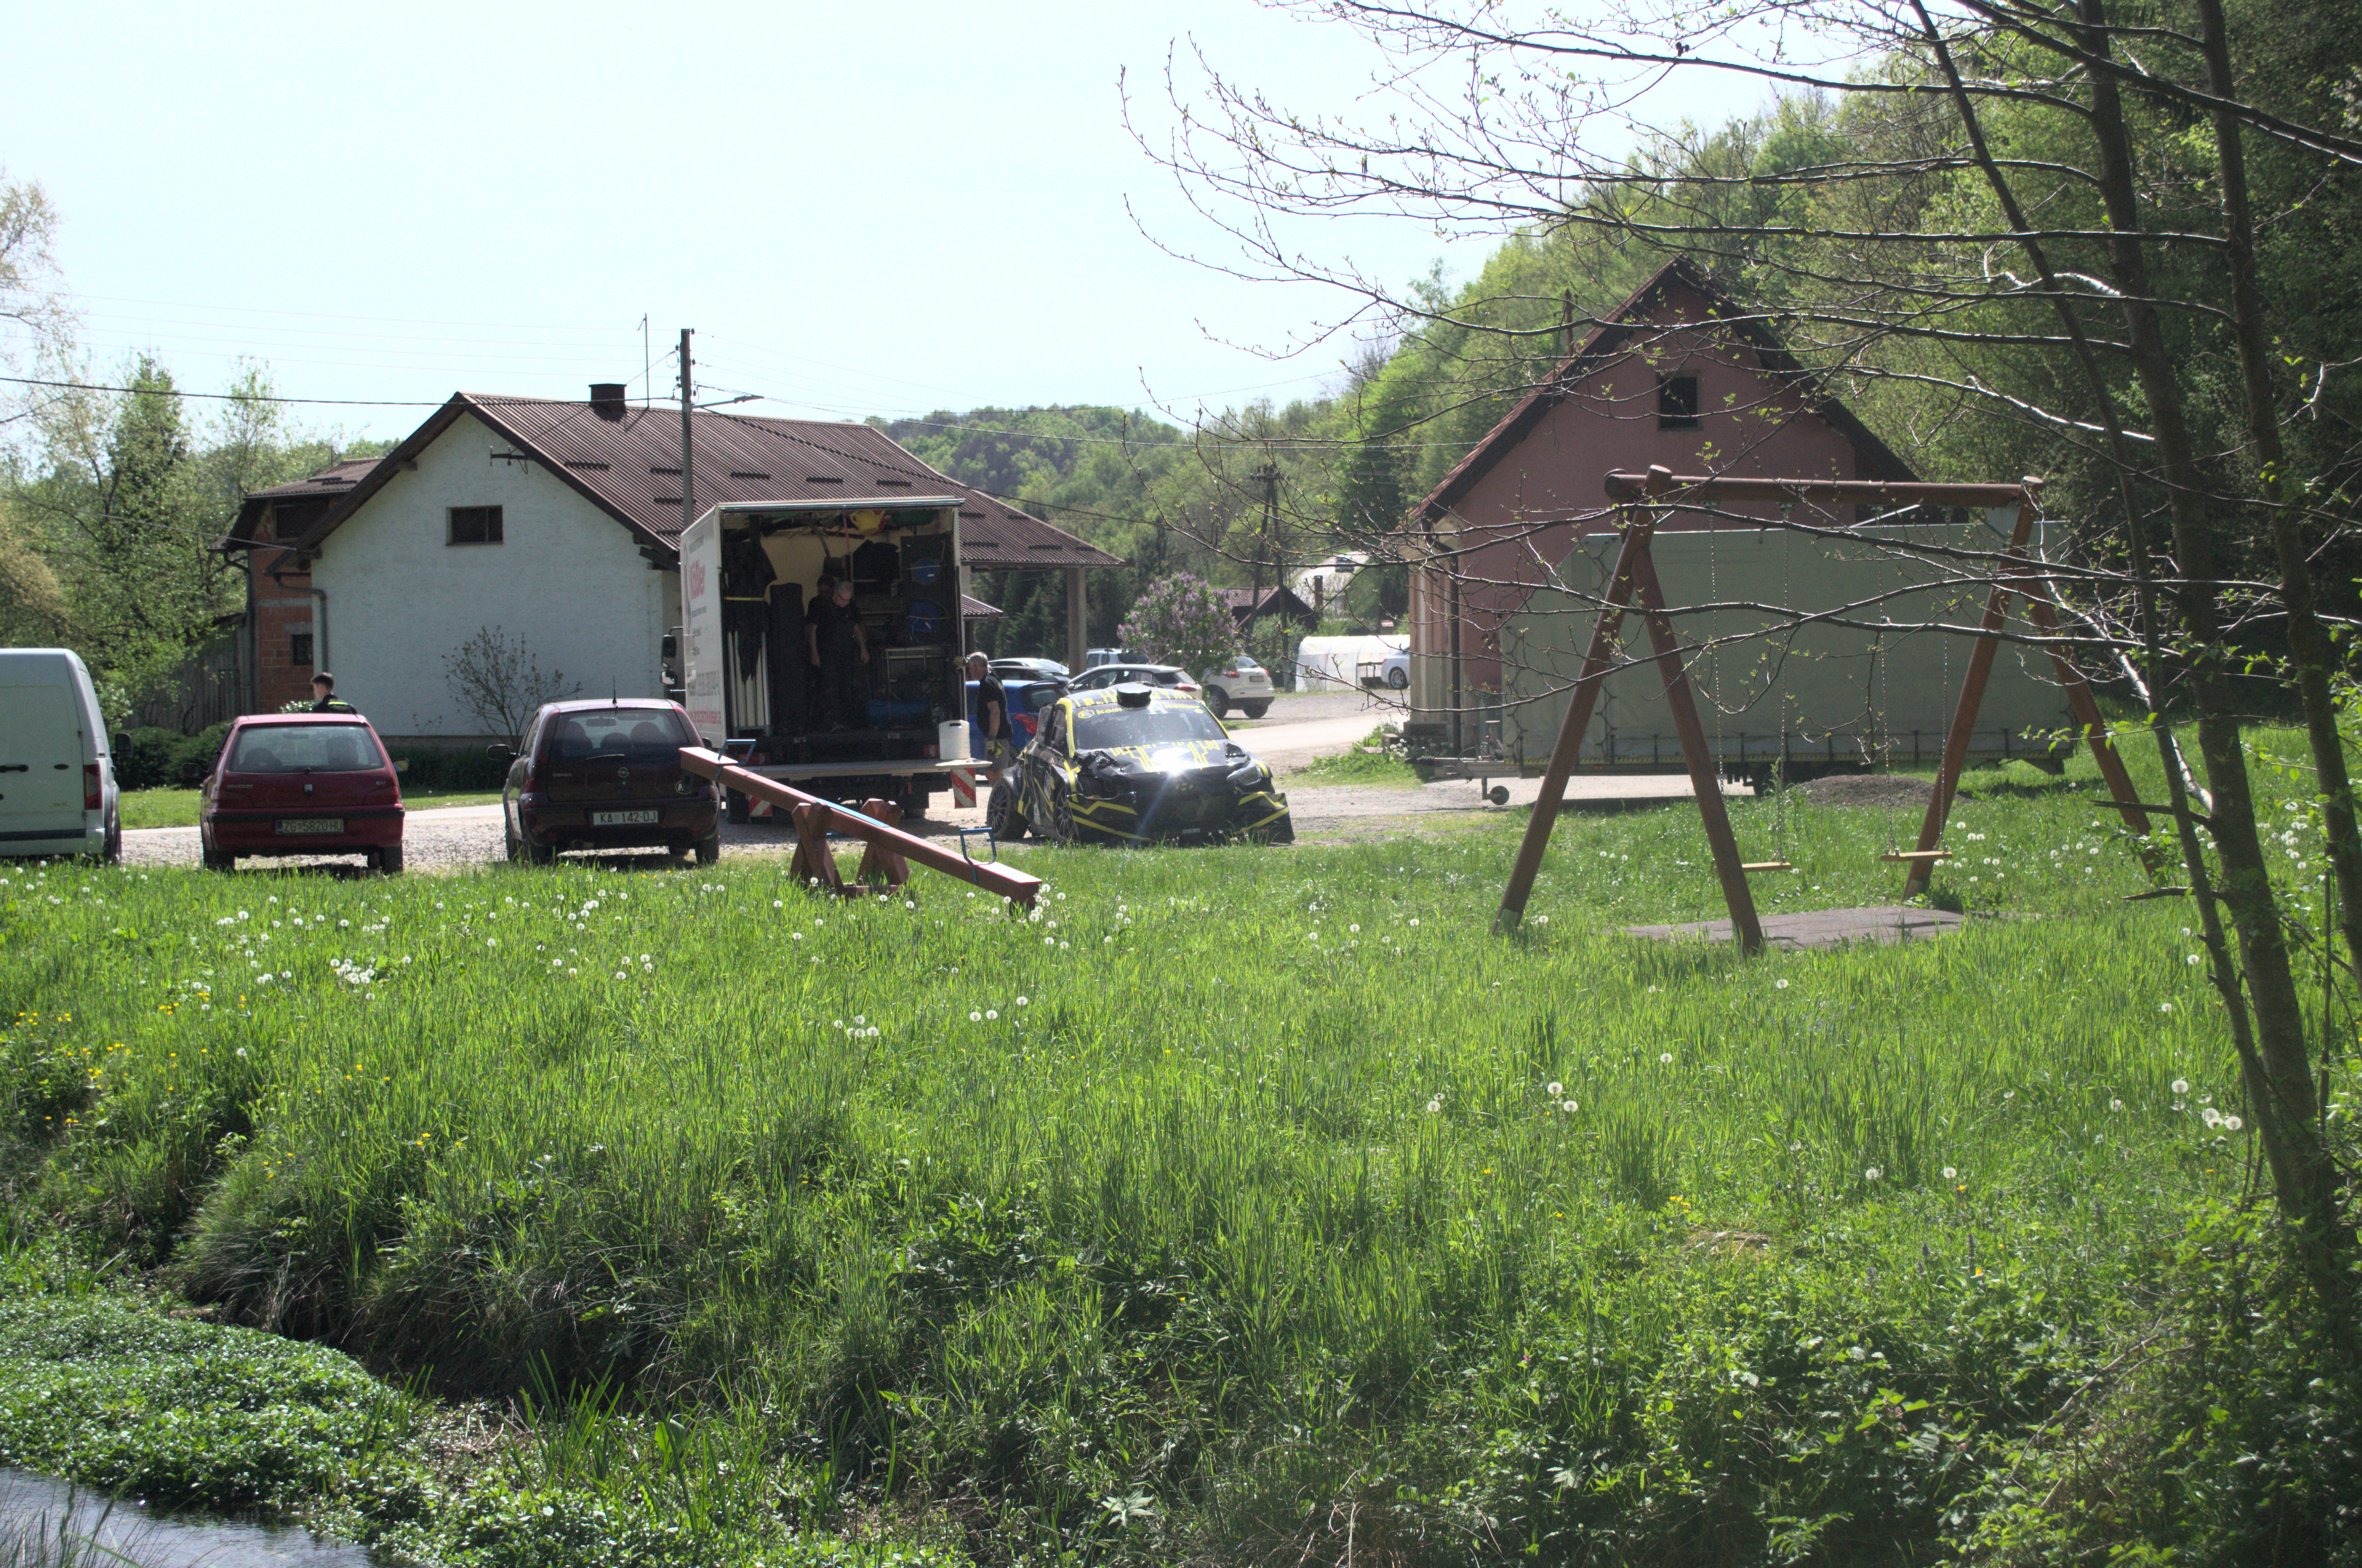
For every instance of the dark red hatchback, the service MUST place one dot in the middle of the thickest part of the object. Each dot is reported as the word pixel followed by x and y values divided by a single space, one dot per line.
pixel 607 776
pixel 301 784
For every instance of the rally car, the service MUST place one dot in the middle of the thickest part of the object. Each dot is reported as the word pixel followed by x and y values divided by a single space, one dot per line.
pixel 1138 764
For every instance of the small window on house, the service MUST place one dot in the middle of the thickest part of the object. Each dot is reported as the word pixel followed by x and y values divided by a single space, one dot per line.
pixel 1677 403
pixel 299 650
pixel 475 525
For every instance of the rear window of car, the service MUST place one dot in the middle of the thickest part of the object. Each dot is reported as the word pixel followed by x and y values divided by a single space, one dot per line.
pixel 643 736
pixel 306 748
pixel 1144 726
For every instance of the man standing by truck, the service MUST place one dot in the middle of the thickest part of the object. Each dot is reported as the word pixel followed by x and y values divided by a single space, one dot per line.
pixel 832 633
pixel 991 712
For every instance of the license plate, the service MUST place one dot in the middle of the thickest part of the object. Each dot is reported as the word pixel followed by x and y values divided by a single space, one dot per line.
pixel 310 824
pixel 625 818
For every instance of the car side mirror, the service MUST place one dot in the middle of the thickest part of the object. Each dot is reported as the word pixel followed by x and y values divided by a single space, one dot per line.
pixel 499 753
pixel 120 746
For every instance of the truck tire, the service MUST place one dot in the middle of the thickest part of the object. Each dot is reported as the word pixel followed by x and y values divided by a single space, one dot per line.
pixel 739 810
pixel 1254 710
pixel 915 805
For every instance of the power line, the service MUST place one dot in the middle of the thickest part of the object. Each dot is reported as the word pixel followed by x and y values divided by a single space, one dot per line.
pixel 227 397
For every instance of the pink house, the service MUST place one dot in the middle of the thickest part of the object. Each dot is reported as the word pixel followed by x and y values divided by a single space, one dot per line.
pixel 1678 375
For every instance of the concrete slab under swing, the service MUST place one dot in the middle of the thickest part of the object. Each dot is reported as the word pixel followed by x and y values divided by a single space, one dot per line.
pixel 1820 928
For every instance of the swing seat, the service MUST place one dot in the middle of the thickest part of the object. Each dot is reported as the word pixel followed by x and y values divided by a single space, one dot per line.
pixel 1765 866
pixel 1915 856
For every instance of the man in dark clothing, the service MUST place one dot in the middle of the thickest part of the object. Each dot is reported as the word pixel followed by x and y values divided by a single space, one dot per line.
pixel 323 696
pixel 832 633
pixel 991 712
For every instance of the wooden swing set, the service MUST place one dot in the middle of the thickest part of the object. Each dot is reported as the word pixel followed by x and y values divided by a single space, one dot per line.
pixel 1645 499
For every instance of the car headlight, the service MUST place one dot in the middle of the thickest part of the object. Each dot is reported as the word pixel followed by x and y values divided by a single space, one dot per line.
pixel 1248 774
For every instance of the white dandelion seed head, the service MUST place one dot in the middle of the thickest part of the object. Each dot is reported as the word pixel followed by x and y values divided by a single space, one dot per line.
pixel 976 1018
pixel 1664 1058
pixel 1556 1089
pixel 1021 1001
pixel 2182 1086
pixel 1571 1107
pixel 1874 1173
pixel 2211 1117
pixel 1780 984
pixel 2233 1124
pixel 990 1014
pixel 1433 1106
pixel 2115 1105
pixel 2165 1007
pixel 1951 1174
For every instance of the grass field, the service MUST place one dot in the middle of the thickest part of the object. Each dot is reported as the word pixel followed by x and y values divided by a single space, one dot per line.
pixel 1241 1202
pixel 178 808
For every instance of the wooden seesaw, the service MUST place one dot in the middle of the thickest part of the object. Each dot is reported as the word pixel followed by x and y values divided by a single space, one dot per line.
pixel 887 852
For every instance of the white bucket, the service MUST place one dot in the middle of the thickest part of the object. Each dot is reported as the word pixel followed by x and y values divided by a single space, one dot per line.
pixel 951 740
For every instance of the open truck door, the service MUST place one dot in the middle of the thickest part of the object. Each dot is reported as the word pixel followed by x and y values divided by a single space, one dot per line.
pixel 700 627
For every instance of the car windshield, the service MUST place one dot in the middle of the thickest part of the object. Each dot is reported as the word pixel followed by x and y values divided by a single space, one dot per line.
pixel 305 749
pixel 1144 726
pixel 642 736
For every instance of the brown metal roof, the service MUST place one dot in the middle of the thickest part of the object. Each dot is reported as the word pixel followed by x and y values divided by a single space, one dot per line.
pixel 627 462
pixel 291 499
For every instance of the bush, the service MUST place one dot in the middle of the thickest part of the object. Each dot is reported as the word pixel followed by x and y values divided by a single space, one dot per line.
pixel 167 760
pixel 442 770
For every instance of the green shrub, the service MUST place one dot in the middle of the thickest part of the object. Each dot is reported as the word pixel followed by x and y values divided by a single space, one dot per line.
pixel 164 759
pixel 449 771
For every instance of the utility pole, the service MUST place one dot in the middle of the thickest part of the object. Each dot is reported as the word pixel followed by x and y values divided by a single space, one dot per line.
pixel 688 459
pixel 1269 475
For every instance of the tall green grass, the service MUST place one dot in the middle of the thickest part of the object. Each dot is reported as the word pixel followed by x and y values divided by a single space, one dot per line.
pixel 1239 1200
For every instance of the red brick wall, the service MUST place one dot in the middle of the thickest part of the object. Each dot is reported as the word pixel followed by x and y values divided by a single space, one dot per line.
pixel 281 607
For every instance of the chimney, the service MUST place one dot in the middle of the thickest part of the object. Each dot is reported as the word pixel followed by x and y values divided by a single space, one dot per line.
pixel 607 398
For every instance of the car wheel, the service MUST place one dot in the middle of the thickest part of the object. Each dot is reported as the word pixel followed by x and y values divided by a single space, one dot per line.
pixel 1254 710
pixel 540 853
pixel 1218 701
pixel 709 848
pixel 389 860
pixel 1002 815
pixel 1062 822
pixel 113 853
pixel 509 841
pixel 1398 678
pixel 217 861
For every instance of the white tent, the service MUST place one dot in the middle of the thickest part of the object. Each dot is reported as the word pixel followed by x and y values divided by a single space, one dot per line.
pixel 1331 664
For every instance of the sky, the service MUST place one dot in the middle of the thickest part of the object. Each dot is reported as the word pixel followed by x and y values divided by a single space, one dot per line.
pixel 859 210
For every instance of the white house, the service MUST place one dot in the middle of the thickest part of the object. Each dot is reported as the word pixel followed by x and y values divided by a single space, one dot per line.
pixel 555 523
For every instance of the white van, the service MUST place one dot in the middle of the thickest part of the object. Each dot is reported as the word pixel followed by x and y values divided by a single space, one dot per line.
pixel 57 771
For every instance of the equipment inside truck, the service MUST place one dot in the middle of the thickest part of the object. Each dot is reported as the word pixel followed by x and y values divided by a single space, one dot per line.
pixel 906 602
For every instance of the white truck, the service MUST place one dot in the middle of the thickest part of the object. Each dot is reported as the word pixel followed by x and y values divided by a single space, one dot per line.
pixel 750 583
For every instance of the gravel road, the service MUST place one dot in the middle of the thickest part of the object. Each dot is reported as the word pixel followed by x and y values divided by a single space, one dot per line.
pixel 1296 730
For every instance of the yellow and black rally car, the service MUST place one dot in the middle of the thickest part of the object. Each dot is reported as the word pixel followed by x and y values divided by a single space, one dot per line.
pixel 1138 764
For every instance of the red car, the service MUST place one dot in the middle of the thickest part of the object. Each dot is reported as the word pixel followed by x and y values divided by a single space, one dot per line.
pixel 607 775
pixel 301 784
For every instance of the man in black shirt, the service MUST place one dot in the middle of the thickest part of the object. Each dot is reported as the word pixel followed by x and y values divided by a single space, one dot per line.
pixel 323 696
pixel 833 633
pixel 991 712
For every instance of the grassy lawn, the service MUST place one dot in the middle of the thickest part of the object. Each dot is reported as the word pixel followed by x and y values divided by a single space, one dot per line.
pixel 1239 1201
pixel 178 808
pixel 1359 766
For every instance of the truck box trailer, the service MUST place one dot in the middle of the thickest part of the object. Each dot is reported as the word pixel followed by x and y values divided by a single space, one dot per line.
pixel 750 578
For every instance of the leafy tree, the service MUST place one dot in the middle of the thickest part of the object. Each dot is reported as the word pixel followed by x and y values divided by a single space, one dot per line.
pixel 1182 620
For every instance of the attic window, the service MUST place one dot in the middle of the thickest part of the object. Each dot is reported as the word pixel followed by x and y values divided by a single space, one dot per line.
pixel 473 526
pixel 895 484
pixel 747 473
pixel 580 463
pixel 1677 403
pixel 656 468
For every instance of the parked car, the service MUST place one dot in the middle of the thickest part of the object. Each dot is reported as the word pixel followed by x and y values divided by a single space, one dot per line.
pixel 1135 764
pixel 58 793
pixel 1395 668
pixel 1027 701
pixel 1029 670
pixel 1109 675
pixel 1093 657
pixel 592 775
pixel 302 783
pixel 1240 680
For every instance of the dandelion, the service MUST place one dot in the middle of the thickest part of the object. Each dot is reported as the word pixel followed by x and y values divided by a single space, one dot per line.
pixel 1874 1173
pixel 1413 920
pixel 1779 985
pixel 1950 1175
pixel 976 1018
pixel 1664 1058
pixel 991 1014
pixel 1433 1106
pixel 2182 1086
pixel 1353 928
pixel 1556 1089
pixel 778 904
pixel 2115 1105
pixel 1571 1107
pixel 2233 1124
pixel 1021 1001
pixel 2165 1007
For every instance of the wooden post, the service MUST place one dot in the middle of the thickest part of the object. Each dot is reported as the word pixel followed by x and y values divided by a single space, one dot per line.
pixel 1578 703
pixel 1964 715
pixel 1078 624
pixel 1705 774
